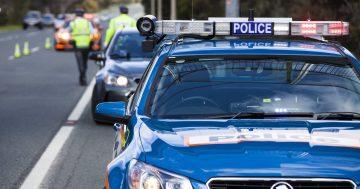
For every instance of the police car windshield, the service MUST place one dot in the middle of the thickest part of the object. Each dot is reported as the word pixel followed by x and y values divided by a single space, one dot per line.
pixel 131 43
pixel 216 86
pixel 47 17
pixel 32 15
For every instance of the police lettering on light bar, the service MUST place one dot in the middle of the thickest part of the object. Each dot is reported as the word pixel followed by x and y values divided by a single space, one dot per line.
pixel 248 28
pixel 148 26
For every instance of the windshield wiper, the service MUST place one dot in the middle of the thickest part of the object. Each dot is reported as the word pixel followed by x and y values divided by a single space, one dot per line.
pixel 337 115
pixel 117 56
pixel 261 115
pixel 317 116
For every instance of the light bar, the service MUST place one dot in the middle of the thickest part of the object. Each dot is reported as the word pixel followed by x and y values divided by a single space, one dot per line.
pixel 319 28
pixel 240 26
pixel 184 27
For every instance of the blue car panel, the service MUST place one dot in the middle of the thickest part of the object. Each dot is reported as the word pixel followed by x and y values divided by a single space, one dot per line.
pixel 255 47
pixel 202 150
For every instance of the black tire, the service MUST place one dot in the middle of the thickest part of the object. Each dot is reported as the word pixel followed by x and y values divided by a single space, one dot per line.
pixel 25 26
pixel 95 100
pixel 40 26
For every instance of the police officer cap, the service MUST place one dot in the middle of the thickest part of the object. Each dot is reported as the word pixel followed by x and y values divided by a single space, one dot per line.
pixel 123 9
pixel 79 12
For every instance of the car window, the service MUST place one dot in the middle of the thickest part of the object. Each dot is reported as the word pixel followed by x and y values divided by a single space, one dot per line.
pixel 32 15
pixel 129 43
pixel 142 82
pixel 60 17
pixel 47 17
pixel 203 88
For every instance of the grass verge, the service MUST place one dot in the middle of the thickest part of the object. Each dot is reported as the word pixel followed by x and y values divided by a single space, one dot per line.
pixel 9 27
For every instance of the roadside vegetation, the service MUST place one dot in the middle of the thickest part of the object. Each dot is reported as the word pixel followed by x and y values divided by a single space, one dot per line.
pixel 13 11
pixel 9 27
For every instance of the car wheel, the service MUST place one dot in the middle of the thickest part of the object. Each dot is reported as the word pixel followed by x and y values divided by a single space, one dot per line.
pixel 95 100
pixel 25 26
pixel 40 27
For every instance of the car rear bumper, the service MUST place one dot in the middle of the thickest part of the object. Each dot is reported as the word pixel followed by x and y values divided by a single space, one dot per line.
pixel 62 45
pixel 32 23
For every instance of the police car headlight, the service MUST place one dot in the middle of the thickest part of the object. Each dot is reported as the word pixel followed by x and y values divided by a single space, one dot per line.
pixel 146 25
pixel 65 36
pixel 144 176
pixel 116 80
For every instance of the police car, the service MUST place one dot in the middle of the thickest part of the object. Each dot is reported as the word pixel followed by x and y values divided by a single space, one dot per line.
pixel 232 103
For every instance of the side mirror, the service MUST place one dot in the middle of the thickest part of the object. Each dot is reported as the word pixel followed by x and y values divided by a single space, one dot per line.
pixel 111 112
pixel 97 56
pixel 121 54
pixel 148 45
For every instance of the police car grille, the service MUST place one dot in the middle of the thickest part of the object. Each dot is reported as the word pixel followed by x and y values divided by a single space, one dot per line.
pixel 267 184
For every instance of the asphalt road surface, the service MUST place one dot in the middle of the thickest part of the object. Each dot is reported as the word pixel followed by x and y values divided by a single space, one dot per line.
pixel 37 94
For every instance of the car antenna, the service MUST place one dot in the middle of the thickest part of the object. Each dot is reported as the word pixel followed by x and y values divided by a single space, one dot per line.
pixel 192 10
pixel 308 16
pixel 251 15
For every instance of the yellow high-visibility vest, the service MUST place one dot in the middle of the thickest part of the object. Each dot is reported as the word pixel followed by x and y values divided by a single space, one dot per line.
pixel 116 23
pixel 81 32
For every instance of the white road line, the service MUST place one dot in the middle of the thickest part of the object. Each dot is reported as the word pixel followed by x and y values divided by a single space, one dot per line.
pixel 40 169
pixel 6 38
pixel 42 166
pixel 35 49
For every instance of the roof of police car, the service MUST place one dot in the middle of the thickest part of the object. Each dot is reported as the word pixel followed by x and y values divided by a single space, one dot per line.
pixel 254 47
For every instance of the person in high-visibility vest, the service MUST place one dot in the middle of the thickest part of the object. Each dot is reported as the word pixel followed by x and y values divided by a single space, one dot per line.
pixel 81 31
pixel 121 21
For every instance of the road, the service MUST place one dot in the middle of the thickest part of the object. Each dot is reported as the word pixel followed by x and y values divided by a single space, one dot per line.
pixel 37 94
pixel 47 136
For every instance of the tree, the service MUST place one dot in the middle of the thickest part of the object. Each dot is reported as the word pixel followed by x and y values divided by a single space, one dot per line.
pixel 185 9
